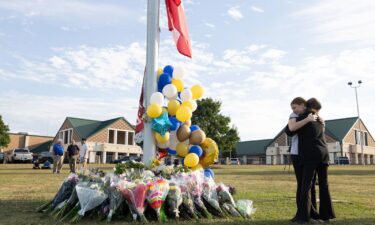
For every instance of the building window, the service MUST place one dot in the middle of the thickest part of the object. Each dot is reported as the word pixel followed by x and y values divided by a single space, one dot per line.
pixel 130 138
pixel 121 137
pixel 357 135
pixel 366 140
pixel 361 137
pixel 66 136
pixel 111 136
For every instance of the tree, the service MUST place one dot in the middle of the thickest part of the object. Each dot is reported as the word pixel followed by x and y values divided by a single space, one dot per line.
pixel 216 126
pixel 4 136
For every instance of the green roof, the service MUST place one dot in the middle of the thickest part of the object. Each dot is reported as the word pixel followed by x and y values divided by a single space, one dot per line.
pixel 86 128
pixel 338 128
pixel 41 148
pixel 257 147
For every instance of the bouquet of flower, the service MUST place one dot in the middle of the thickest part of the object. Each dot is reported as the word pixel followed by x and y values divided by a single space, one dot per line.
pixel 63 194
pixel 115 200
pixel 67 205
pixel 186 209
pixel 135 195
pixel 156 195
pixel 245 208
pixel 195 187
pixel 226 200
pixel 174 200
pixel 210 198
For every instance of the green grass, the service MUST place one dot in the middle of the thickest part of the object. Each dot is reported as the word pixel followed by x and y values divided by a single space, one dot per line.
pixel 270 187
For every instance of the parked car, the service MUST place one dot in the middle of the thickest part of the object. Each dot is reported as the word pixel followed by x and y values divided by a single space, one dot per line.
pixel 2 157
pixel 45 156
pixel 235 161
pixel 126 159
pixel 21 155
pixel 342 160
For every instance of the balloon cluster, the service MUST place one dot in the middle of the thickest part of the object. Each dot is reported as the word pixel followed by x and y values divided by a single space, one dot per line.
pixel 171 109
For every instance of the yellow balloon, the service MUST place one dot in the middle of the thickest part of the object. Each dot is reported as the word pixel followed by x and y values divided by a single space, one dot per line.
pixel 179 84
pixel 210 152
pixel 173 106
pixel 160 72
pixel 183 113
pixel 154 110
pixel 188 104
pixel 191 160
pixel 197 91
pixel 182 149
pixel 197 167
pixel 162 139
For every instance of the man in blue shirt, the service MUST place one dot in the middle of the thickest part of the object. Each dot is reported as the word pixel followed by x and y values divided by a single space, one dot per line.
pixel 58 156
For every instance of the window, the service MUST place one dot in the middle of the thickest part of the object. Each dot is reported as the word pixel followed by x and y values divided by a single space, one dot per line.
pixel 121 137
pixel 111 136
pixel 361 137
pixel 357 135
pixel 130 138
pixel 366 140
pixel 66 136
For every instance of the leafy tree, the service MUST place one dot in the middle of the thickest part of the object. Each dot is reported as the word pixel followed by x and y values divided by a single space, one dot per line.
pixel 4 136
pixel 216 126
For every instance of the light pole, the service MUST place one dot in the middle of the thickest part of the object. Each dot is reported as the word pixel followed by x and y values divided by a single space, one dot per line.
pixel 359 124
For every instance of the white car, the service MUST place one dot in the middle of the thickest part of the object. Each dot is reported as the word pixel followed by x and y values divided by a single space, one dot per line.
pixel 21 155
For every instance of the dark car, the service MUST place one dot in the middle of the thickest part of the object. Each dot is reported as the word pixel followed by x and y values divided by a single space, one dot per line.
pixel 45 156
pixel 342 160
pixel 126 159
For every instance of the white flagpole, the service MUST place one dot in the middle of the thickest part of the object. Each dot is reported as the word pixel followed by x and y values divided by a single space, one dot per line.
pixel 150 86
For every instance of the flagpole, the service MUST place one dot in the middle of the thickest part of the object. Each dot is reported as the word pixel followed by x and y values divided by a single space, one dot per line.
pixel 152 53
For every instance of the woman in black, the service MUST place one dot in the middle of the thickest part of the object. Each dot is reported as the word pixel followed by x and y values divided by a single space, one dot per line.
pixel 314 157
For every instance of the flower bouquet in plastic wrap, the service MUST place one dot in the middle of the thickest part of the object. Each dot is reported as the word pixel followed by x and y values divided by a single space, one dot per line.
pixel 63 194
pixel 195 187
pixel 210 198
pixel 174 200
pixel 187 209
pixel 245 208
pixel 156 195
pixel 135 194
pixel 226 200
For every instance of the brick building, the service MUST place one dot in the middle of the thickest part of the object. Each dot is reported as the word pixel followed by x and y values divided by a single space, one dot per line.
pixel 35 143
pixel 107 140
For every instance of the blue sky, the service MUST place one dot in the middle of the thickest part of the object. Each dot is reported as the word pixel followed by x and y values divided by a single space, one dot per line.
pixel 86 59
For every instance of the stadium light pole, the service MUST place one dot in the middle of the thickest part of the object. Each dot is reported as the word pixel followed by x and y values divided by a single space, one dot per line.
pixel 355 86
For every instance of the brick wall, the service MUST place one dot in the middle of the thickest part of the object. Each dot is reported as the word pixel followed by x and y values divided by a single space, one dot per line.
pixel 350 137
pixel 102 136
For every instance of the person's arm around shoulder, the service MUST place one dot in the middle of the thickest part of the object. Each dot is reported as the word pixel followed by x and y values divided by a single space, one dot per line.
pixel 294 125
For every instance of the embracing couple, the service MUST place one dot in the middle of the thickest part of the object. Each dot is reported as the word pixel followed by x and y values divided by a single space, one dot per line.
pixel 310 159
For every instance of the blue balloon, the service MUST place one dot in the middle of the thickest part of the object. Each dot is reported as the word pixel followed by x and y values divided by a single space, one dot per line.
pixel 209 173
pixel 194 128
pixel 164 79
pixel 168 70
pixel 175 123
pixel 196 149
pixel 171 151
pixel 182 161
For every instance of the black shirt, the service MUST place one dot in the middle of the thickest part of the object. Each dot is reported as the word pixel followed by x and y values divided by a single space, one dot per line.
pixel 73 150
pixel 312 147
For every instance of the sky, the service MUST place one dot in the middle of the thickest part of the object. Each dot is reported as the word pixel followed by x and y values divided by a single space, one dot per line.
pixel 86 59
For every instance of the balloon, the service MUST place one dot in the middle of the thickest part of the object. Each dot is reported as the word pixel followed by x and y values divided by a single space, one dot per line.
pixel 168 69
pixel 197 91
pixel 179 72
pixel 186 95
pixel 164 109
pixel 162 146
pixel 157 98
pixel 160 72
pixel 196 149
pixel 194 128
pixel 188 123
pixel 183 113
pixel 161 124
pixel 197 137
pixel 208 172
pixel 182 149
pixel 170 91
pixel 195 105
pixel 191 160
pixel 183 133
pixel 188 104
pixel 164 79
pixel 178 83
pixel 210 152
pixel 173 141
pixel 154 110
pixel 162 139
pixel 171 151
pixel 175 123
pixel 197 167
pixel 173 106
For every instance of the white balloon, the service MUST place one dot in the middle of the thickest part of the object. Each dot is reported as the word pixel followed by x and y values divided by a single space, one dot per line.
pixel 157 98
pixel 162 146
pixel 186 95
pixel 173 141
pixel 194 104
pixel 170 91
pixel 178 72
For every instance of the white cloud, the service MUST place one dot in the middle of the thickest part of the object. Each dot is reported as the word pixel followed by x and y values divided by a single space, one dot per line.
pixel 210 25
pixel 235 13
pixel 257 9
pixel 340 21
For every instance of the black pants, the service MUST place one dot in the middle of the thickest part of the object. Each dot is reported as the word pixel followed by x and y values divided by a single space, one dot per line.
pixel 326 211
pixel 298 171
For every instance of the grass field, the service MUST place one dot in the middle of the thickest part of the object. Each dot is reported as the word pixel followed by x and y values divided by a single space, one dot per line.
pixel 270 187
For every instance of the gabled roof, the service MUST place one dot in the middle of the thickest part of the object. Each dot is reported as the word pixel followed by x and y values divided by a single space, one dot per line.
pixel 338 128
pixel 86 128
pixel 44 147
pixel 257 147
